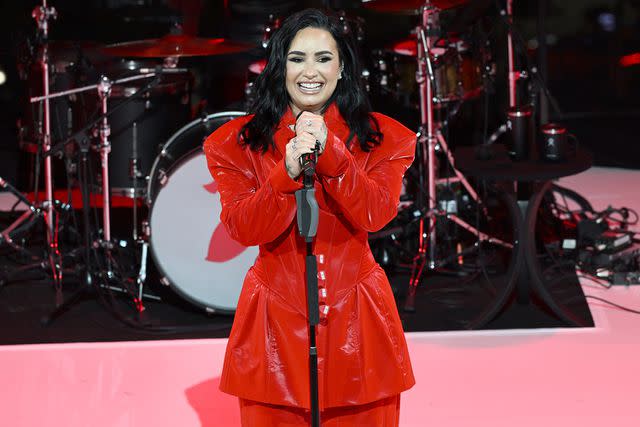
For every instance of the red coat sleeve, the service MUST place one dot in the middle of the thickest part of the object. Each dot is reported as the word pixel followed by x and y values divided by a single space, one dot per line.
pixel 254 213
pixel 368 196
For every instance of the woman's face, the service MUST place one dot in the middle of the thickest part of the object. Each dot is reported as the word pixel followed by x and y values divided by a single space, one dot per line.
pixel 312 71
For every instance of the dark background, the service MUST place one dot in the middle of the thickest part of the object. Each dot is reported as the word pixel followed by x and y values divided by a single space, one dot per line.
pixel 586 40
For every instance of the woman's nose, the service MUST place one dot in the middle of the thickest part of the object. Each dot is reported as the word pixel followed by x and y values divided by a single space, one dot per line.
pixel 310 70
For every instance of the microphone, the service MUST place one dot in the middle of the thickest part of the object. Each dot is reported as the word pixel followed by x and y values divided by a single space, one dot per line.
pixel 308 161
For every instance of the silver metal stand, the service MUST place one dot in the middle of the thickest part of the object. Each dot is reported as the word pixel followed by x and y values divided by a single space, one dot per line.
pixel 513 74
pixel 104 90
pixel 104 130
pixel 430 141
pixel 42 14
pixel 33 213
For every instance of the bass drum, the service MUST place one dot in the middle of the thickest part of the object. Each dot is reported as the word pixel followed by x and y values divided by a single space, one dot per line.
pixel 190 247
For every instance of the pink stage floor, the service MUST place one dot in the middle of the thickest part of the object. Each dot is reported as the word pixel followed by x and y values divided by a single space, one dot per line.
pixel 542 377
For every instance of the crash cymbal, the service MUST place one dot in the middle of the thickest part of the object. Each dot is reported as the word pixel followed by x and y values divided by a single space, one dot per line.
pixel 410 6
pixel 176 45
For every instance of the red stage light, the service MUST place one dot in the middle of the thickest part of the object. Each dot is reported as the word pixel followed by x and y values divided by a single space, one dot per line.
pixel 630 60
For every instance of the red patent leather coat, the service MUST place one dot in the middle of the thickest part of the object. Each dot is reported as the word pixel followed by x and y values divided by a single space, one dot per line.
pixel 363 354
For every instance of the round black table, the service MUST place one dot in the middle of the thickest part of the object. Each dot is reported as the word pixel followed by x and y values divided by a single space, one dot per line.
pixel 492 162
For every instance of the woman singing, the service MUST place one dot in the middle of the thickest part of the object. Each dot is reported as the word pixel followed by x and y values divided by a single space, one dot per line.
pixel 308 94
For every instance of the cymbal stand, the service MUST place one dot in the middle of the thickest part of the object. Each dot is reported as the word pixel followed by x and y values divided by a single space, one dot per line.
pixel 430 140
pixel 514 75
pixel 42 14
pixel 104 90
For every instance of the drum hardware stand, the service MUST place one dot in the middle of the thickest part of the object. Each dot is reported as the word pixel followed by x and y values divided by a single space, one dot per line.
pixel 135 175
pixel 27 220
pixel 32 211
pixel 431 140
pixel 6 236
pixel 106 244
pixel 42 14
pixel 47 208
pixel 138 238
pixel 142 272
pixel 513 75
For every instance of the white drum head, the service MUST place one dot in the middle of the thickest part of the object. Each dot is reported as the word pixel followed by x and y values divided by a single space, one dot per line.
pixel 189 243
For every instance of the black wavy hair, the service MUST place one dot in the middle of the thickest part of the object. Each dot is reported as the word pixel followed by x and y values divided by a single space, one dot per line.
pixel 272 100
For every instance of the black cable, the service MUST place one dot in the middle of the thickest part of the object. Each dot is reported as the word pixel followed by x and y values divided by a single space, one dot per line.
pixel 624 212
pixel 621 307
pixel 105 294
pixel 556 209
pixel 488 284
pixel 14 206
pixel 587 275
pixel 113 309
pixel 107 299
pixel 73 214
pixel 590 276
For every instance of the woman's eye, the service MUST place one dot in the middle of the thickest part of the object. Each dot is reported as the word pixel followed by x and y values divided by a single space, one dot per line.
pixel 324 59
pixel 295 59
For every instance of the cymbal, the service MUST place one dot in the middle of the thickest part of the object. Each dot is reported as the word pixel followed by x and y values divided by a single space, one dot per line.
pixel 410 6
pixel 176 45
pixel 409 47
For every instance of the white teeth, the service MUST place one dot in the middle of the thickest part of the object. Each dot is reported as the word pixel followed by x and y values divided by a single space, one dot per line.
pixel 310 85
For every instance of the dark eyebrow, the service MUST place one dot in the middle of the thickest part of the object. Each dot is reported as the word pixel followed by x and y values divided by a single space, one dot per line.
pixel 297 52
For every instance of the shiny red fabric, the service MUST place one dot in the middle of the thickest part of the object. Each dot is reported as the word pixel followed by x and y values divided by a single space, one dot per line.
pixel 362 353
pixel 381 413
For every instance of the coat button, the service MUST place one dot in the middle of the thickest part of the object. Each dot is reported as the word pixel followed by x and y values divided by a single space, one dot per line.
pixel 322 295
pixel 324 312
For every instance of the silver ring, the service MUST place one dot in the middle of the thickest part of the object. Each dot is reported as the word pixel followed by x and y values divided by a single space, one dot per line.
pixel 295 140
pixel 308 122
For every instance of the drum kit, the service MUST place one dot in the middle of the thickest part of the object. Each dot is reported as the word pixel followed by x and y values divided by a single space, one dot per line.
pixel 432 72
pixel 133 115
pixel 447 73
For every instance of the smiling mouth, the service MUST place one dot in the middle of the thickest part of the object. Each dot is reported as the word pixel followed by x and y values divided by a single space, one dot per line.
pixel 310 87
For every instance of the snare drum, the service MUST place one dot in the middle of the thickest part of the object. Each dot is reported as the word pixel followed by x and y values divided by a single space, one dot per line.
pixel 191 248
pixel 457 73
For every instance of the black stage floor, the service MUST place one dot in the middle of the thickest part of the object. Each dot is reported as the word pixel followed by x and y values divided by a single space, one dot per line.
pixel 111 316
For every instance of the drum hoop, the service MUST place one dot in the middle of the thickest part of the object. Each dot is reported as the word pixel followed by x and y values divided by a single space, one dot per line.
pixel 209 308
pixel 166 275
pixel 174 137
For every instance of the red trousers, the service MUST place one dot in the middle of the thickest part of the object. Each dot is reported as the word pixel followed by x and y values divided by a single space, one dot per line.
pixel 381 413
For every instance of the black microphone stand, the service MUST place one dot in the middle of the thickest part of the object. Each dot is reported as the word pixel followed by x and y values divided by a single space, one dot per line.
pixel 308 225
